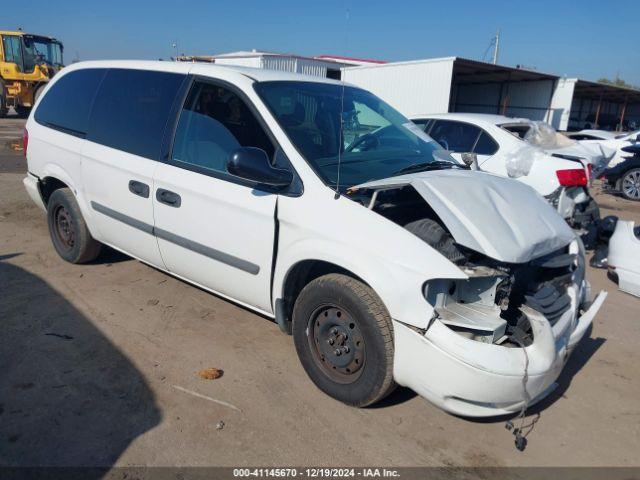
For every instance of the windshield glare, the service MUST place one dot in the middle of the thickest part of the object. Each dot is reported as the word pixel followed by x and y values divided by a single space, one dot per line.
pixel 366 136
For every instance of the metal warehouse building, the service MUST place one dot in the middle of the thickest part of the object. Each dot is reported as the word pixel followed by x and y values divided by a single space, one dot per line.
pixel 280 61
pixel 454 84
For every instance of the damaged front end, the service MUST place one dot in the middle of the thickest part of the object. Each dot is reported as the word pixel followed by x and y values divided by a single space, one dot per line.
pixel 490 305
pixel 521 309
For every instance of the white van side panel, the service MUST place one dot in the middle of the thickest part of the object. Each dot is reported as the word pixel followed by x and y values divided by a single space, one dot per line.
pixel 106 173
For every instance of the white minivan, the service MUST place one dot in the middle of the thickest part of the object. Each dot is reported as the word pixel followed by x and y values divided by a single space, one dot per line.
pixel 318 205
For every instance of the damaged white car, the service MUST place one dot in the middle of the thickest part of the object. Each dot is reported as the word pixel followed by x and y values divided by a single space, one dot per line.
pixel 318 205
pixel 624 257
pixel 532 152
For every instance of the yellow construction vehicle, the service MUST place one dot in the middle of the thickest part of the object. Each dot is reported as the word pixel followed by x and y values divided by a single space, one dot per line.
pixel 27 63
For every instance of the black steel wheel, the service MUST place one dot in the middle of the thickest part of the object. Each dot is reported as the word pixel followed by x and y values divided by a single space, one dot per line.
pixel 344 338
pixel 336 343
pixel 69 233
pixel 64 230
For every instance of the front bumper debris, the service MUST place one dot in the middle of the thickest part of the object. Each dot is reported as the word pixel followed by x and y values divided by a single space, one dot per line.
pixel 477 379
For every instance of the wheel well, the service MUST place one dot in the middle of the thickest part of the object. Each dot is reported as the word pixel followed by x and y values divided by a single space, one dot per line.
pixel 299 276
pixel 48 185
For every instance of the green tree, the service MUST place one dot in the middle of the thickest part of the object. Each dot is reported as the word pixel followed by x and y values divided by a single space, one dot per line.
pixel 618 82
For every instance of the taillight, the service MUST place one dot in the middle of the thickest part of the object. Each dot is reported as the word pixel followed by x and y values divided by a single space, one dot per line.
pixel 572 178
pixel 25 141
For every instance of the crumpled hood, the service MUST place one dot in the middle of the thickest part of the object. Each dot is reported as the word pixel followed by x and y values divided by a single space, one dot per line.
pixel 499 217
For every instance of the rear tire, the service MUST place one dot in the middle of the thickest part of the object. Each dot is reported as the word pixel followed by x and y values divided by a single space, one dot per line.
pixel 630 185
pixel 23 112
pixel 68 230
pixel 339 313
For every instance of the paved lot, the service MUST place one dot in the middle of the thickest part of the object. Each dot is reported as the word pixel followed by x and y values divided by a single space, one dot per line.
pixel 99 367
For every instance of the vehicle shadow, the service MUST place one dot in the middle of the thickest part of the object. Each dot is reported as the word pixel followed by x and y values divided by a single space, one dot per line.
pixel 68 396
pixel 110 255
pixel 398 396
pixel 583 352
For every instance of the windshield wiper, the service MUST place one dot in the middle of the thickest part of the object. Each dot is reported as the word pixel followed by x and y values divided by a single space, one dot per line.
pixel 425 167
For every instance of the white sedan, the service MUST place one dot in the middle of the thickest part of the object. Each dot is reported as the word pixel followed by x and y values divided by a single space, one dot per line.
pixel 534 153
pixel 609 140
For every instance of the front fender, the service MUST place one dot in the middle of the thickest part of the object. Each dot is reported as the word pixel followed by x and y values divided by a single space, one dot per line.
pixel 398 286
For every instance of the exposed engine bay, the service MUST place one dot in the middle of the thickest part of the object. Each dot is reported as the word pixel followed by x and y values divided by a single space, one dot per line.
pixel 488 306
pixel 501 330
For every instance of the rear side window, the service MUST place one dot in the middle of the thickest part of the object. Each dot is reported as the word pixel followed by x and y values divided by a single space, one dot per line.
pixel 424 124
pixel 456 137
pixel 131 110
pixel 485 145
pixel 518 130
pixel 67 104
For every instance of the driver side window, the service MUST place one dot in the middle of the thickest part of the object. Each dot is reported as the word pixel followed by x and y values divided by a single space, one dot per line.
pixel 213 123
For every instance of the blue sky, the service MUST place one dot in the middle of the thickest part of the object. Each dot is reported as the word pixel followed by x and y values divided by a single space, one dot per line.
pixel 588 39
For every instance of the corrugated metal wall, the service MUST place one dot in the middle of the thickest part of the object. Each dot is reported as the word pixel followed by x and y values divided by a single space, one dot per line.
pixel 284 63
pixel 476 98
pixel 311 67
pixel 254 62
pixel 523 99
pixel 583 112
pixel 411 87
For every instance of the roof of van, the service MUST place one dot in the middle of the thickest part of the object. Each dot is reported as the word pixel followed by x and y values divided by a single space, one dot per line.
pixel 257 74
pixel 474 117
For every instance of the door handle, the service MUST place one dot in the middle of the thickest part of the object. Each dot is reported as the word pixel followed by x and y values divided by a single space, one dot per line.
pixel 168 197
pixel 139 188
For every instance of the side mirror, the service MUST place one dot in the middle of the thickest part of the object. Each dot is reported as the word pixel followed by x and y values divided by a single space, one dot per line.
pixel 253 164
pixel 470 160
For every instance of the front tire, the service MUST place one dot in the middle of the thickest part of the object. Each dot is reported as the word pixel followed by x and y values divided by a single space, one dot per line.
pixel 68 230
pixel 630 185
pixel 344 338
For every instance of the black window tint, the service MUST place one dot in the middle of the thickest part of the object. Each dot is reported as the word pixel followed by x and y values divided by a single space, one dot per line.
pixel 486 145
pixel 425 124
pixel 455 136
pixel 132 109
pixel 214 122
pixel 518 130
pixel 67 103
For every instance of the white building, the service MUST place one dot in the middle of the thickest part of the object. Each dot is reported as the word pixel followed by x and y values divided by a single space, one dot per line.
pixel 454 84
pixel 282 61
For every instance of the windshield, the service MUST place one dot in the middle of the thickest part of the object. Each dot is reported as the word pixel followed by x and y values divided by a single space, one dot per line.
pixel 39 49
pixel 369 139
